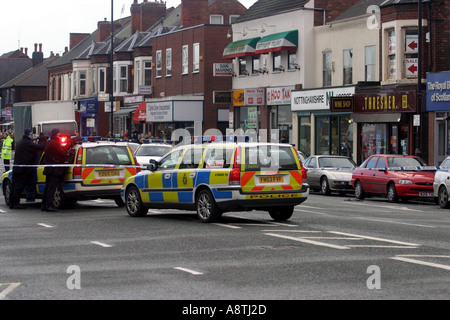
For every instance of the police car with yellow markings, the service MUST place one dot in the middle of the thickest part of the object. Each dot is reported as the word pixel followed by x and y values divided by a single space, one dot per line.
pixel 94 170
pixel 219 177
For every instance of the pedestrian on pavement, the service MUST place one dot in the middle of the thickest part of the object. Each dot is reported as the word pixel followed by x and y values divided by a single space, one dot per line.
pixel 7 149
pixel 24 175
pixel 54 154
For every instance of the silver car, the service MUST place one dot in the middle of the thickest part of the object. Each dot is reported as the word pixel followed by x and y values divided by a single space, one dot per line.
pixel 441 184
pixel 329 173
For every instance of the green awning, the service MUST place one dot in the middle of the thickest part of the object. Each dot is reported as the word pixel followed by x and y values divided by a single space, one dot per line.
pixel 287 40
pixel 241 48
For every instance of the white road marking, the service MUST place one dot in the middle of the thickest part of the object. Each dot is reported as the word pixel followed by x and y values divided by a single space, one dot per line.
pixel 396 222
pixel 196 273
pixel 387 207
pixel 227 225
pixel 11 287
pixel 317 243
pixel 101 244
pixel 376 239
pixel 45 225
pixel 300 231
pixel 315 212
pixel 405 258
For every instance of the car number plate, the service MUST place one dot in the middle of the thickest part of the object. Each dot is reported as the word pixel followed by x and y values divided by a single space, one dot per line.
pixel 426 194
pixel 270 179
pixel 109 173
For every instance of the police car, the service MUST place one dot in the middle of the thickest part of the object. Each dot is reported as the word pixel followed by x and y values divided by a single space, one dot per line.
pixel 219 177
pixel 95 170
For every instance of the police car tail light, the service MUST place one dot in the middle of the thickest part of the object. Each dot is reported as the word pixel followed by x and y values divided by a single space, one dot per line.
pixel 303 171
pixel 138 166
pixel 64 141
pixel 76 173
pixel 235 173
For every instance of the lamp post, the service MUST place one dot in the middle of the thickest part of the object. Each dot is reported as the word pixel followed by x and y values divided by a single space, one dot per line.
pixel 418 152
pixel 111 74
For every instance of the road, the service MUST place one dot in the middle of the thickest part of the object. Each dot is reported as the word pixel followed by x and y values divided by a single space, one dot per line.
pixel 334 247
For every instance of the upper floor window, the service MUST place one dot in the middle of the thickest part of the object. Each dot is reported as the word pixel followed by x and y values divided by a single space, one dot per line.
pixel 348 66
pixel 392 54
pixel 102 80
pixel 411 52
pixel 147 73
pixel 169 62
pixel 158 63
pixel 185 60
pixel 243 66
pixel 216 19
pixel 82 82
pixel 255 64
pixel 196 57
pixel 326 69
pixel 292 60
pixel 369 58
pixel 123 80
pixel 233 17
pixel 276 58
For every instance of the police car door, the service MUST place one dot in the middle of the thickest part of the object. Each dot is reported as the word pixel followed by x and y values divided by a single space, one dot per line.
pixel 160 181
pixel 184 181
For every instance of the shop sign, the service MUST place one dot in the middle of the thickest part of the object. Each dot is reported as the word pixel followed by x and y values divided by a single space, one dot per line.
pixel 159 111
pixel 318 99
pixel 128 100
pixel 238 97
pixel 386 102
pixel 411 67
pixel 248 97
pixel 341 104
pixel 223 69
pixel 279 96
pixel 438 91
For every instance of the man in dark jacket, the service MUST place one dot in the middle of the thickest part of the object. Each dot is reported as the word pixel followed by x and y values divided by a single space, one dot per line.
pixel 54 154
pixel 23 171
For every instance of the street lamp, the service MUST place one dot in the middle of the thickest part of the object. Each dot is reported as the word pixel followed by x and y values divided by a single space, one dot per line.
pixel 111 75
pixel 418 152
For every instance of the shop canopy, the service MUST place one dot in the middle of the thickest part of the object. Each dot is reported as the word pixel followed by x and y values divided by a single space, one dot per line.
pixel 241 48
pixel 140 115
pixel 287 40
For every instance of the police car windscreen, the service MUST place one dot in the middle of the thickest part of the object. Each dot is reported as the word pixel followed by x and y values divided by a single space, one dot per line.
pixel 267 157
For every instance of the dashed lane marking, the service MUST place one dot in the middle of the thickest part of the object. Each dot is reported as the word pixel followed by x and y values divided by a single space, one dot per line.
pixel 10 287
pixel 195 273
pixel 408 258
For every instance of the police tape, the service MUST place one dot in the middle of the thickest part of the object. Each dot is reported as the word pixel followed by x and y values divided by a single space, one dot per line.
pixel 408 168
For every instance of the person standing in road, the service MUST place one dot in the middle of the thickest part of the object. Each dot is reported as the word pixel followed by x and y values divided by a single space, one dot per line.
pixel 26 154
pixel 7 148
pixel 54 153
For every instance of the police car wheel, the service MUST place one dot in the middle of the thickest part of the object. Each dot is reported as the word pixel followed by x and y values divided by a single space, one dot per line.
pixel 133 203
pixel 281 213
pixel 206 207
pixel 7 190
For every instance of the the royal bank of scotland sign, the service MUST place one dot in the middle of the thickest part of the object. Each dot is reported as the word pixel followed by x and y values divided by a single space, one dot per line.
pixel 438 91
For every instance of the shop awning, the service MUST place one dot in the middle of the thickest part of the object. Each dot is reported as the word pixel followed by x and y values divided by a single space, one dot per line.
pixel 140 115
pixel 287 40
pixel 123 112
pixel 241 48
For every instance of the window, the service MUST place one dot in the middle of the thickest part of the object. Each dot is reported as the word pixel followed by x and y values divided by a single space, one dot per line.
pixel 185 60
pixel 147 73
pixel 348 66
pixel 292 60
pixel 276 58
pixel 123 78
pixel 102 80
pixel 114 79
pixel 411 52
pixel 75 93
pixel 94 86
pixel 196 57
pixel 255 65
pixel 158 63
pixel 82 83
pixel 369 71
pixel 233 17
pixel 391 54
pixel 243 66
pixel 216 19
pixel 169 62
pixel 137 74
pixel 222 97
pixel 326 69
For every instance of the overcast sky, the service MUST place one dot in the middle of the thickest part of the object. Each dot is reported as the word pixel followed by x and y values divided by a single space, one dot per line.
pixel 26 22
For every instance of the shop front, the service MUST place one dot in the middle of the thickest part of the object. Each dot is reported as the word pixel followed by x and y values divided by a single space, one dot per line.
pixel 438 105
pixel 247 104
pixel 88 117
pixel 280 116
pixel 384 120
pixel 167 115
pixel 320 130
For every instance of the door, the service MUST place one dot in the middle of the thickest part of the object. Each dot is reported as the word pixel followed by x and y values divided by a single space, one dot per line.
pixel 442 133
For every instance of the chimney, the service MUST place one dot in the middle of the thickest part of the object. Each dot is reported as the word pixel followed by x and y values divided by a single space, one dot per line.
pixel 76 38
pixel 38 56
pixel 103 30
pixel 194 12
pixel 146 14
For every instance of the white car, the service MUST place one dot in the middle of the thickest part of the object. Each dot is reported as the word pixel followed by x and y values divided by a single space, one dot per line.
pixel 149 151
pixel 441 184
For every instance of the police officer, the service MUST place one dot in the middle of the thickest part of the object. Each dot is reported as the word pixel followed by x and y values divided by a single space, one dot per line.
pixel 54 154
pixel 26 154
pixel 7 147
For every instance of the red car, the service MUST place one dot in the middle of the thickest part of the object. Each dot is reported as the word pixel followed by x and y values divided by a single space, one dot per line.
pixel 393 176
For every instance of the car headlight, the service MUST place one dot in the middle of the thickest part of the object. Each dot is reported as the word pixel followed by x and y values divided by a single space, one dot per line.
pixel 405 182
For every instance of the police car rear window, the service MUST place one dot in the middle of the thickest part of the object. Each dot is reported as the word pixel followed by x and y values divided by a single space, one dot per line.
pixel 115 155
pixel 267 157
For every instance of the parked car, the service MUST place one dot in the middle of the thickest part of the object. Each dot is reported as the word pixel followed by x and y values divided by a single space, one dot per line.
pixel 393 176
pixel 155 151
pixel 97 170
pixel 441 185
pixel 215 178
pixel 329 173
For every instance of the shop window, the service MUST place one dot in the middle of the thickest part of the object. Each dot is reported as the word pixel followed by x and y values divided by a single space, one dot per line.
pixel 223 97
pixel 326 69
pixel 305 136
pixel 334 135
pixel 374 139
